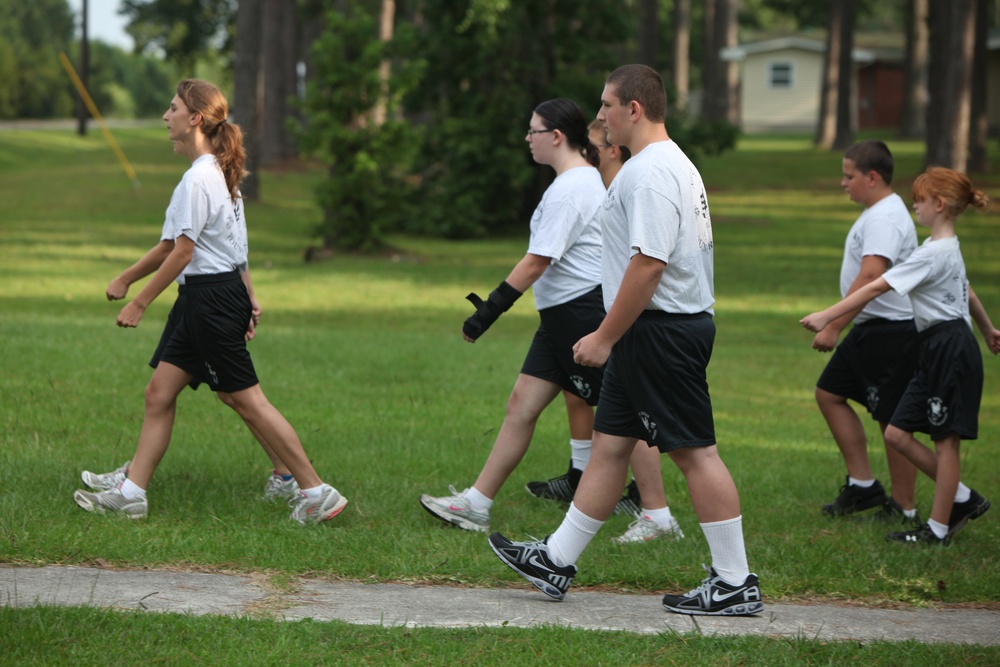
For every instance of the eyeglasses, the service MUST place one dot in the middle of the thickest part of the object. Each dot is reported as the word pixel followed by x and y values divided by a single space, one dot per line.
pixel 603 145
pixel 532 133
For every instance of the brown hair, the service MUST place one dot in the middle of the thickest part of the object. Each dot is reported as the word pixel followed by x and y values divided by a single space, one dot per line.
pixel 644 85
pixel 872 155
pixel 598 125
pixel 226 138
pixel 952 187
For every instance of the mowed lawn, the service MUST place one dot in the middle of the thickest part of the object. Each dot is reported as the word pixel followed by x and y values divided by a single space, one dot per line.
pixel 363 356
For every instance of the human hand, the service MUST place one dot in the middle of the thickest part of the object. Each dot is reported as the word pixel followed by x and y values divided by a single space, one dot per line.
pixel 815 322
pixel 117 289
pixel 825 340
pixel 130 315
pixel 993 341
pixel 591 351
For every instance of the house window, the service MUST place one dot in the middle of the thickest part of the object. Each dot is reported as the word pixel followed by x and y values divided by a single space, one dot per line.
pixel 779 75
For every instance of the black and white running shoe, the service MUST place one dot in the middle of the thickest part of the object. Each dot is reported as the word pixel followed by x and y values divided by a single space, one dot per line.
pixel 714 597
pixel 531 561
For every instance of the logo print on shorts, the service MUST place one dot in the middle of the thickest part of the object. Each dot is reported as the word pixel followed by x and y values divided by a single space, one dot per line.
pixel 937 411
pixel 582 388
pixel 211 371
pixel 649 424
pixel 872 398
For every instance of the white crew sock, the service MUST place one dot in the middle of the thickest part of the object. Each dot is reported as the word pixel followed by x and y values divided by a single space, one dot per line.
pixel 729 555
pixel 315 492
pixel 580 453
pixel 863 483
pixel 662 517
pixel 572 537
pixel 478 501
pixel 939 529
pixel 131 490
pixel 963 493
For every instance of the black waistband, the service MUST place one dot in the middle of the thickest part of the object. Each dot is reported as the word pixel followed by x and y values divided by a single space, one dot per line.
pixel 662 314
pixel 210 279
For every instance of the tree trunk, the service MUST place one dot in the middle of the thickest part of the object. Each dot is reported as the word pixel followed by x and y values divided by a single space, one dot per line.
pixel 385 25
pixel 979 122
pixel 280 60
pixel 721 101
pixel 246 91
pixel 709 58
pixel 649 33
pixel 845 80
pixel 827 125
pixel 952 40
pixel 681 51
pixel 915 86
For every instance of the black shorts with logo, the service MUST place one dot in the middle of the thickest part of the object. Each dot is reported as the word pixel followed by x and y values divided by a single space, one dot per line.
pixel 655 384
pixel 944 395
pixel 205 333
pixel 550 356
pixel 873 365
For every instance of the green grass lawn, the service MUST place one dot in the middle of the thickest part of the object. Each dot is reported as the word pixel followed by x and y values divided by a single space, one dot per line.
pixel 363 355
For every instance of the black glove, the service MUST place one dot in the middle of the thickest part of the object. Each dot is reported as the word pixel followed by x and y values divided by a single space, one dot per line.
pixel 487 312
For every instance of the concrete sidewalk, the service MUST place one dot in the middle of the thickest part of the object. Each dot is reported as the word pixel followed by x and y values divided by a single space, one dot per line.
pixel 447 607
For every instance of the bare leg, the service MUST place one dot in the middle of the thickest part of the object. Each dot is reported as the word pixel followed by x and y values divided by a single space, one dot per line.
pixel 269 426
pixel 919 454
pixel 713 492
pixel 848 433
pixel 902 474
pixel 581 417
pixel 646 469
pixel 529 397
pixel 604 478
pixel 167 383
pixel 947 480
pixel 279 466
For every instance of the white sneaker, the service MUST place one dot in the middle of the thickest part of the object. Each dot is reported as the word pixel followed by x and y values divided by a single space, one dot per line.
pixel 279 488
pixel 457 510
pixel 112 501
pixel 105 480
pixel 329 504
pixel 645 529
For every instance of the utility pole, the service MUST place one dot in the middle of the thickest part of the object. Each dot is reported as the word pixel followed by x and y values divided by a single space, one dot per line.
pixel 81 109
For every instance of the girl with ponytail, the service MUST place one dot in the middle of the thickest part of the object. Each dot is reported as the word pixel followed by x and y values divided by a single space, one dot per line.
pixel 203 247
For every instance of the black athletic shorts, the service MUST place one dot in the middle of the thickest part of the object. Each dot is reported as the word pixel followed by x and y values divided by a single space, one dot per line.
pixel 873 365
pixel 550 356
pixel 943 397
pixel 205 333
pixel 655 385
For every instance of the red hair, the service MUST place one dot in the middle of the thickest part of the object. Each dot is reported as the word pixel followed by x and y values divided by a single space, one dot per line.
pixel 952 187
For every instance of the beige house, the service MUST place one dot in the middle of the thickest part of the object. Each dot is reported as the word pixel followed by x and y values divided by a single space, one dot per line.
pixel 780 82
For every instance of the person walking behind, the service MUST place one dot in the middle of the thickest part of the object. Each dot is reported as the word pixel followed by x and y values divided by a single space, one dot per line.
pixel 944 395
pixel 656 342
pixel 562 266
pixel 203 247
pixel 877 358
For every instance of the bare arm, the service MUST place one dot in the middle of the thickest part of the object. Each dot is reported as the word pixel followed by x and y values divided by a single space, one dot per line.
pixel 255 306
pixel 872 267
pixel 990 334
pixel 639 283
pixel 150 262
pixel 853 303
pixel 528 271
pixel 169 269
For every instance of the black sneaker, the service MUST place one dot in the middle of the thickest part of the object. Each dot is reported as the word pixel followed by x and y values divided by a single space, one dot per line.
pixel 855 499
pixel 892 512
pixel 630 503
pixel 560 488
pixel 962 513
pixel 921 535
pixel 714 597
pixel 531 561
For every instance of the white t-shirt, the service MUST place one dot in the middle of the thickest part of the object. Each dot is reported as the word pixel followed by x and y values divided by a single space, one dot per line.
pixel 657 205
pixel 934 278
pixel 884 229
pixel 202 209
pixel 565 228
